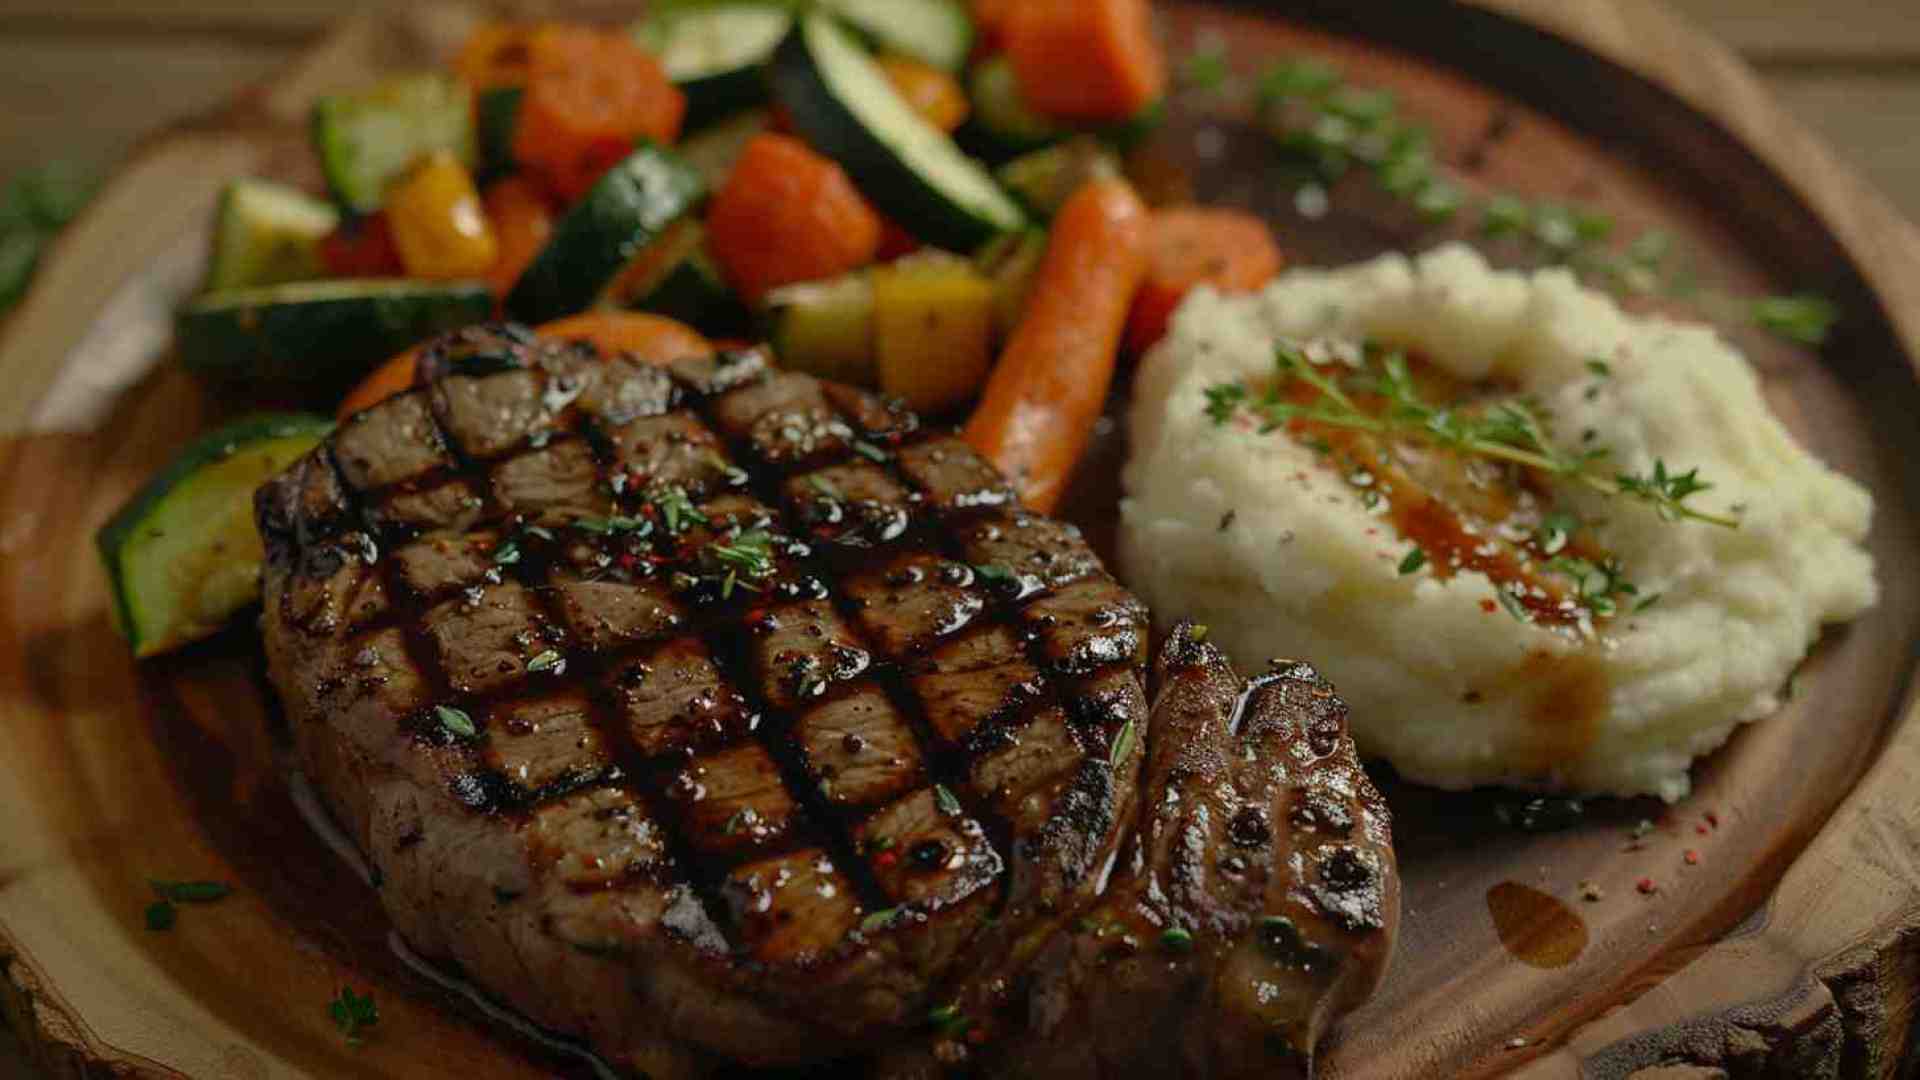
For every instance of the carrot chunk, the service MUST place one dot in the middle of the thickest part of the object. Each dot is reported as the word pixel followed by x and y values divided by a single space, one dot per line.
pixel 1089 61
pixel 590 95
pixel 788 215
pixel 1041 402
pixel 934 94
pixel 1193 246
pixel 522 222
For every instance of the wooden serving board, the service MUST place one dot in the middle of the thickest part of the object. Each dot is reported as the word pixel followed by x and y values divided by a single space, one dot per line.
pixel 1789 947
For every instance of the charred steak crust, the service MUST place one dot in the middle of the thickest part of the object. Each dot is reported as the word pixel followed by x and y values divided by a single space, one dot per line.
pixel 706 712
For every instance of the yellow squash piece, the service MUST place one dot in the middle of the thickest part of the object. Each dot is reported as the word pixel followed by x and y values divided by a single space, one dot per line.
pixel 933 330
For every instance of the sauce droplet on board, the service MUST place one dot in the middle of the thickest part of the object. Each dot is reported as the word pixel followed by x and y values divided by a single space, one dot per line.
pixel 1537 929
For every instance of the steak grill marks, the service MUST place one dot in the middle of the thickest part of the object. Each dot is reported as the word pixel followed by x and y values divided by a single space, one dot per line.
pixel 827 648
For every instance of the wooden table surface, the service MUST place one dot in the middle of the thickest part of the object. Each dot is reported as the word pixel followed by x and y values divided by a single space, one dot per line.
pixel 82 80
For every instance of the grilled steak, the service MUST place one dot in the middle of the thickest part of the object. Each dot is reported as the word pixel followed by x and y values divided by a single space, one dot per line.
pixel 714 713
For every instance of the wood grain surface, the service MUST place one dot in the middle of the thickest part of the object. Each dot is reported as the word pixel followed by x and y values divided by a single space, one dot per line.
pixel 1817 977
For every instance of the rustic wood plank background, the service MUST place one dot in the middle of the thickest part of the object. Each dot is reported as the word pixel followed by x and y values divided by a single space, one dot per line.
pixel 82 80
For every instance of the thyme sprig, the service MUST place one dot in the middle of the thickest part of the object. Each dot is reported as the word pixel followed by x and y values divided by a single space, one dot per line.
pixel 1329 128
pixel 1507 431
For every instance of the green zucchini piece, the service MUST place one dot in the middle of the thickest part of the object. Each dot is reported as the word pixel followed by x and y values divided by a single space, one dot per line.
pixel 937 32
pixel 496 115
pixel 842 103
pixel 681 281
pixel 593 246
pixel 369 138
pixel 715 149
pixel 268 234
pixel 320 333
pixel 717 54
pixel 1003 125
pixel 182 557
pixel 825 328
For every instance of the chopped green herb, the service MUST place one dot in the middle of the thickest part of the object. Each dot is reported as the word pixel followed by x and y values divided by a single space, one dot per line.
pixel 945 800
pixel 1600 368
pixel 191 892
pixel 674 508
pixel 1415 559
pixel 547 661
pixel 743 818
pixel 353 1013
pixel 1647 602
pixel 879 920
pixel 879 843
pixel 455 721
pixel 871 452
pixel 948 1019
pixel 994 574
pixel 609 526
pixel 1555 529
pixel 1176 939
pixel 821 485
pixel 539 532
pixel 1803 318
pixel 1513 605
pixel 506 554
pixel 1122 745
pixel 161 915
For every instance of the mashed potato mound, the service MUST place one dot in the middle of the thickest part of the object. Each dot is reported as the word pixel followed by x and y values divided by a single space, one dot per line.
pixel 1280 555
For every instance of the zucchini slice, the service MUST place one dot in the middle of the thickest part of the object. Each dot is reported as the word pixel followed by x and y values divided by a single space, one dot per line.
pixel 843 104
pixel 825 328
pixel 323 333
pixel 716 54
pixel 267 234
pixel 593 247
pixel 183 556
pixel 367 139
pixel 937 32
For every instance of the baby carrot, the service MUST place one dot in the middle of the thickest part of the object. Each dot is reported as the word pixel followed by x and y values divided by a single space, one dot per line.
pixel 1052 379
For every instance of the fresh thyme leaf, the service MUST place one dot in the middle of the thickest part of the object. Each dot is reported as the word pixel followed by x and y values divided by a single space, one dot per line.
pixel 1647 602
pixel 456 721
pixel 948 1019
pixel 879 919
pixel 547 661
pixel 1176 939
pixel 1803 318
pixel 993 574
pixel 1555 528
pixel 1122 745
pixel 353 1013
pixel 945 800
pixel 1600 368
pixel 609 526
pixel 1415 559
pixel 1222 401
pixel 161 915
pixel 1513 605
pixel 822 486
pixel 871 452
pixel 743 818
pixel 506 554
pixel 674 508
